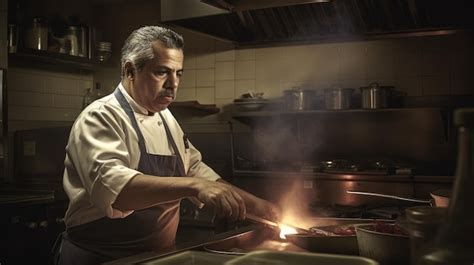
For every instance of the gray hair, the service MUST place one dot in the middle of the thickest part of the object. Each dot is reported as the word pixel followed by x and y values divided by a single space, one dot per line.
pixel 138 46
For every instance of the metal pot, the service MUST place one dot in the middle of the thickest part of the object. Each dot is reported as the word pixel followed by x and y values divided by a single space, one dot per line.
pixel 441 197
pixel 375 96
pixel 299 99
pixel 337 98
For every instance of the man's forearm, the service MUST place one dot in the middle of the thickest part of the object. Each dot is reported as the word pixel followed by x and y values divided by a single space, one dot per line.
pixel 144 191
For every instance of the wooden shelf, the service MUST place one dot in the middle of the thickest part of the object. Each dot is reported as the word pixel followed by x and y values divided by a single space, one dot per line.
pixel 50 60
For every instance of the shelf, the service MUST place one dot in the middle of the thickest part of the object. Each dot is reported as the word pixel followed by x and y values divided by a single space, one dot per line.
pixel 194 108
pixel 50 60
pixel 252 117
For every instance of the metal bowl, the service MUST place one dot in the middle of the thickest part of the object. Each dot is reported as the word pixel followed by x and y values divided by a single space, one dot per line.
pixel 383 247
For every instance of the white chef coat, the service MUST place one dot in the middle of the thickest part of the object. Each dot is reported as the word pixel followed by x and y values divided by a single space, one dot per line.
pixel 102 155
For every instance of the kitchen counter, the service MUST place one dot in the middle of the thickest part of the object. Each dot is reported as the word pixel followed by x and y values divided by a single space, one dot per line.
pixel 187 238
pixel 15 197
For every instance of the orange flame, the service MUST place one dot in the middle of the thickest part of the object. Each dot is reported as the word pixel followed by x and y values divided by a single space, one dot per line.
pixel 286 230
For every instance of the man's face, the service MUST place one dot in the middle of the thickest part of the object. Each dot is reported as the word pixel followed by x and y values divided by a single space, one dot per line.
pixel 155 86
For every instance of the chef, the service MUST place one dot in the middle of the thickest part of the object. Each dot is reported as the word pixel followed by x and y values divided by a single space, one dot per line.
pixel 128 163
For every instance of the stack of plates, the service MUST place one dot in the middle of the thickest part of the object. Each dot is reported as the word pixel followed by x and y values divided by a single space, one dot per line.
pixel 250 104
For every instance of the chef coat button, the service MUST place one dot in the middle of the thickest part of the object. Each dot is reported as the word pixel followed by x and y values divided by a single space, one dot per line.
pixel 159 123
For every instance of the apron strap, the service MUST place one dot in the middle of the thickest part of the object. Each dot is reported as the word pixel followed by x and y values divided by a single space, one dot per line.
pixel 126 107
pixel 180 165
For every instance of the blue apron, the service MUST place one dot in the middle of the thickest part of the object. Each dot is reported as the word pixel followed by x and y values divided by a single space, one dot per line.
pixel 148 229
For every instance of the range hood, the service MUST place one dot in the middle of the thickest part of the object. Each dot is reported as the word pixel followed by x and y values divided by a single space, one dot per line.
pixel 265 22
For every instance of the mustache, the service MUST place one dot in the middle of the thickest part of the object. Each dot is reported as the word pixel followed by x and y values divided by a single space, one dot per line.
pixel 168 93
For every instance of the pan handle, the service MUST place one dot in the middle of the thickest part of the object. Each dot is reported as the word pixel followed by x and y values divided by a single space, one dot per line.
pixel 388 196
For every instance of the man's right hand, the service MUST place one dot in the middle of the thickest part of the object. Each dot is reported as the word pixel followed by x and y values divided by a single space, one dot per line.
pixel 225 199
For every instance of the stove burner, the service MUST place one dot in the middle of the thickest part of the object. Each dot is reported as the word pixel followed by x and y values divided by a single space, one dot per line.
pixel 360 212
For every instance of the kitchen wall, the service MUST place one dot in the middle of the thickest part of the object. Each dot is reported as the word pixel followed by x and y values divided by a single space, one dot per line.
pixel 216 73
pixel 3 33
pixel 423 66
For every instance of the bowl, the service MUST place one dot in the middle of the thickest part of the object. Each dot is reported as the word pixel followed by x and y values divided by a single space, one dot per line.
pixel 386 248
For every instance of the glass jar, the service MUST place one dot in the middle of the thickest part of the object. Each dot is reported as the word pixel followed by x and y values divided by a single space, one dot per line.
pixel 36 36
pixel 104 51
pixel 423 224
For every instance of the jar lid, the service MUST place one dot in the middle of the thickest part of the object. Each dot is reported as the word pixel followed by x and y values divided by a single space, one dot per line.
pixel 464 117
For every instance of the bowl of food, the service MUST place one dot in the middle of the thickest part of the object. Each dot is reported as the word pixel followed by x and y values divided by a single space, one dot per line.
pixel 386 243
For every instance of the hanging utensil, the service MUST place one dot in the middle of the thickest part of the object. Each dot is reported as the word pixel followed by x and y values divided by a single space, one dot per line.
pixel 430 202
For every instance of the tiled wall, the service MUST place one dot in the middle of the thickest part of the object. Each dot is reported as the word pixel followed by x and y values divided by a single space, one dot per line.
pixel 217 73
pixel 3 33
pixel 437 65
pixel 39 95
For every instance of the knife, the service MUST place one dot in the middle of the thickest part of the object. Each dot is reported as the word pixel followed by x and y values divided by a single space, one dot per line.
pixel 274 224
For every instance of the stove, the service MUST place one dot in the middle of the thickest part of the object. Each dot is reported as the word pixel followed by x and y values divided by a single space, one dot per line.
pixel 361 212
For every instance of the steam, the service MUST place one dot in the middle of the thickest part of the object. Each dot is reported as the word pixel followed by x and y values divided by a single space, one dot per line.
pixel 294 205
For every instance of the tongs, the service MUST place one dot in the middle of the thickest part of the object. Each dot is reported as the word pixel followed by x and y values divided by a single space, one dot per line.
pixel 274 224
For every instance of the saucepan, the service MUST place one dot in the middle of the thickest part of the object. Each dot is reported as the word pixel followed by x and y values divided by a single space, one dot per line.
pixel 440 198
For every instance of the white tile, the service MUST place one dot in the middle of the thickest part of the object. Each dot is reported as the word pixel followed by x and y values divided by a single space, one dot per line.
pixel 278 69
pixel 189 62
pixel 245 55
pixel 20 98
pixel 4 25
pixel 380 66
pixel 225 70
pixel 3 52
pixel 225 55
pixel 204 77
pixel 82 87
pixel 4 6
pixel 205 60
pixel 205 95
pixel 61 101
pixel 435 64
pixel 42 114
pixel 186 94
pixel 25 82
pixel 410 85
pixel 271 88
pixel 270 53
pixel 243 86
pixel 353 66
pixel 353 83
pixel 76 102
pixel 225 89
pixel 407 64
pixel 462 85
pixel 245 70
pixel 61 86
pixel 435 86
pixel 188 79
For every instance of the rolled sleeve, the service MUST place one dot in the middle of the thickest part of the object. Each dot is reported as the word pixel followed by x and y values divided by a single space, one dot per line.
pixel 98 151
